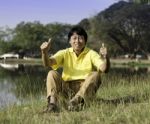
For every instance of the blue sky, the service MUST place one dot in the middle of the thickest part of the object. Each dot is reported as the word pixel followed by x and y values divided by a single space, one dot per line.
pixel 13 12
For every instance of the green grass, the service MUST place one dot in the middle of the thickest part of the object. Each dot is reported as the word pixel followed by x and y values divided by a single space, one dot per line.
pixel 119 101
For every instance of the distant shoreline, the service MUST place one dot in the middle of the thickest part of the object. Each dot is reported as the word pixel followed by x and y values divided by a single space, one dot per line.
pixel 113 61
pixel 130 62
pixel 22 61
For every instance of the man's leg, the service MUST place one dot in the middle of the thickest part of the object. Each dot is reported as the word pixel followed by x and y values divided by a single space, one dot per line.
pixel 87 90
pixel 54 86
pixel 90 86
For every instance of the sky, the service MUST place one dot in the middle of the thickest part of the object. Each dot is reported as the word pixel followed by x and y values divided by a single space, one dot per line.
pixel 12 12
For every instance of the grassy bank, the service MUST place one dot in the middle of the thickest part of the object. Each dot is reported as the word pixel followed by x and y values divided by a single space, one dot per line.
pixel 120 100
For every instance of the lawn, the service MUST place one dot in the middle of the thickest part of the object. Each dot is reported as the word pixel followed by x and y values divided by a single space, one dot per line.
pixel 120 100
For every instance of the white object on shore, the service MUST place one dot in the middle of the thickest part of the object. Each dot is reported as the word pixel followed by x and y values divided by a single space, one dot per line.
pixel 9 55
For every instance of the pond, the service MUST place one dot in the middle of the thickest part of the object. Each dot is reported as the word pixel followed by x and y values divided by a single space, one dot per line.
pixel 20 82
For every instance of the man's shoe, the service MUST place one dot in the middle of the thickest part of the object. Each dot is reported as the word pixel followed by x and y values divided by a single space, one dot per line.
pixel 51 108
pixel 76 104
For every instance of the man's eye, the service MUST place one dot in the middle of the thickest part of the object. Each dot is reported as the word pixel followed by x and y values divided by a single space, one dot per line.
pixel 75 38
pixel 80 38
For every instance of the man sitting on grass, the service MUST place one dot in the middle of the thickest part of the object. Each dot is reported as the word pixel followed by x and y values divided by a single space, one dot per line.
pixel 82 68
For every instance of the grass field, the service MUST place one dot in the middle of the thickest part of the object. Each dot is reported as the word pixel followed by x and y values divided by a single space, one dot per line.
pixel 119 100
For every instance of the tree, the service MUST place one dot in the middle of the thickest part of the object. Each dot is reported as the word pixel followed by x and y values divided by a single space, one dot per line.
pixel 85 23
pixel 6 35
pixel 58 32
pixel 29 36
pixel 140 1
pixel 126 25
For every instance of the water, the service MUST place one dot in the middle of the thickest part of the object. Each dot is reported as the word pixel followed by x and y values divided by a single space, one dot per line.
pixel 19 82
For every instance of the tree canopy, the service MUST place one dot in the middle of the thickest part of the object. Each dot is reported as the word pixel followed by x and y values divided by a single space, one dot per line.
pixel 126 25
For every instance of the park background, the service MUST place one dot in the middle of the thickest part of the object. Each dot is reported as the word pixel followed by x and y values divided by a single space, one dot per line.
pixel 124 96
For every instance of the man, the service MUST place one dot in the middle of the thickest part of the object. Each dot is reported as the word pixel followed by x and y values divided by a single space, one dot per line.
pixel 81 70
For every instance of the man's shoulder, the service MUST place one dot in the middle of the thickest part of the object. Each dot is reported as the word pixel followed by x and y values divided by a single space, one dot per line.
pixel 63 52
pixel 91 51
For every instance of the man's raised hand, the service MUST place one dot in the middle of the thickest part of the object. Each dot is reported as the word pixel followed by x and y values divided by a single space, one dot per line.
pixel 103 51
pixel 46 46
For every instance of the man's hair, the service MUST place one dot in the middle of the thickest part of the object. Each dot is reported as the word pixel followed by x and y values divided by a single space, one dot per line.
pixel 79 30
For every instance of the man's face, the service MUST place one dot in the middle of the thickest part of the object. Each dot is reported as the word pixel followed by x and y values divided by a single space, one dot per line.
pixel 77 42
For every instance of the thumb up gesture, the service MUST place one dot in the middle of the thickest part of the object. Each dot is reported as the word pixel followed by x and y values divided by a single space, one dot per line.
pixel 46 46
pixel 103 51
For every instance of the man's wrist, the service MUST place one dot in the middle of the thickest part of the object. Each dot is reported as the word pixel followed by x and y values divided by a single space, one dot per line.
pixel 44 52
pixel 104 56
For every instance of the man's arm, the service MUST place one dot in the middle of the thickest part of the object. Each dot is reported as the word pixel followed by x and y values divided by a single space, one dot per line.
pixel 106 65
pixel 45 58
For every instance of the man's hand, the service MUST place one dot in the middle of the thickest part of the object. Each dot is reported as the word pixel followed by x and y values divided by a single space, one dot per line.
pixel 46 46
pixel 106 65
pixel 45 58
pixel 103 51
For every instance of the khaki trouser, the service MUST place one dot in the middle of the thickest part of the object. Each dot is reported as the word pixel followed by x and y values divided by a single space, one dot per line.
pixel 85 88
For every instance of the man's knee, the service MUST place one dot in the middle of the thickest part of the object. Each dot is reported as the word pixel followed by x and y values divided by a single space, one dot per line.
pixel 52 73
pixel 94 76
pixel 95 73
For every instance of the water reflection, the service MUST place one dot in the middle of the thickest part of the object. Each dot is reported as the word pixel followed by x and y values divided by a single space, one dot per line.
pixel 129 74
pixel 7 97
pixel 130 70
pixel 19 82
pixel 9 66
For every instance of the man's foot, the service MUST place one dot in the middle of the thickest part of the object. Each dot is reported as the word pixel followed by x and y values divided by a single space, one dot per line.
pixel 76 104
pixel 51 108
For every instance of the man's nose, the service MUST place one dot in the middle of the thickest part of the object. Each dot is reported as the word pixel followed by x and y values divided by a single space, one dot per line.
pixel 78 39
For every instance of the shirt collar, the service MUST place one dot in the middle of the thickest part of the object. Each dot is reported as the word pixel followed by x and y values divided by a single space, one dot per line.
pixel 86 49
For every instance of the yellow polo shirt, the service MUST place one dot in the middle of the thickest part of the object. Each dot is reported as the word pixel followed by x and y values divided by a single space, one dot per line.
pixel 74 67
